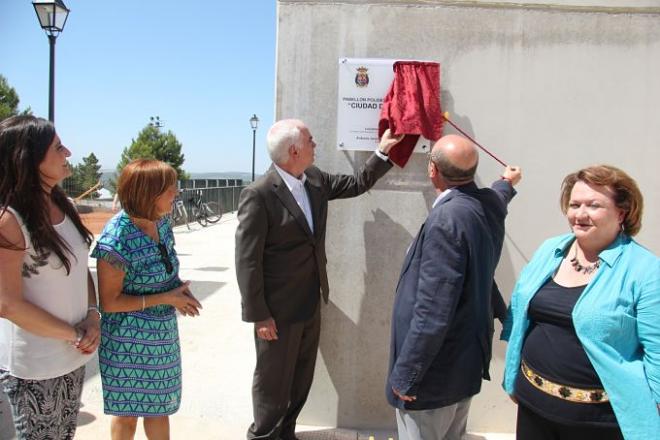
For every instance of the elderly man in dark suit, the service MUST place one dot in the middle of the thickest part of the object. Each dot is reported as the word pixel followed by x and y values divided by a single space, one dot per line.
pixel 281 268
pixel 443 314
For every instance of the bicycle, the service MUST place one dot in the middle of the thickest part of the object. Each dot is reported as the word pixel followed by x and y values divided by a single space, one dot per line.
pixel 179 212
pixel 204 212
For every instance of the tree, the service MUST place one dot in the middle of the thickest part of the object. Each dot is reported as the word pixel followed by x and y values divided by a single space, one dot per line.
pixel 9 100
pixel 89 172
pixel 151 143
pixel 84 176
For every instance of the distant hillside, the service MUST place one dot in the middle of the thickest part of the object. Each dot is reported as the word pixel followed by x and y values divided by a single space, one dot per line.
pixel 224 175
pixel 106 175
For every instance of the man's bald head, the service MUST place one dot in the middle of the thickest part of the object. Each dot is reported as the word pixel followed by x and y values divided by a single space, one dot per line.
pixel 456 158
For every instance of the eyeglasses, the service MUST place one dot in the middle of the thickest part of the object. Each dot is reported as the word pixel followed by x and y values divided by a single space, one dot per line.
pixel 165 258
pixel 429 157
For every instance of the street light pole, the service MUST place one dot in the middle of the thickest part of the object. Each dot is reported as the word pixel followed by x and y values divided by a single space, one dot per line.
pixel 254 122
pixel 51 79
pixel 52 15
pixel 254 145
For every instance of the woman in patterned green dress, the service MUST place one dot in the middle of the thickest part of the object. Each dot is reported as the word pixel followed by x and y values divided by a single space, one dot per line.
pixel 140 290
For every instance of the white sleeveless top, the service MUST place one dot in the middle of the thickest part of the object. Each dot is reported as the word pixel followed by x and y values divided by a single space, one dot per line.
pixel 47 285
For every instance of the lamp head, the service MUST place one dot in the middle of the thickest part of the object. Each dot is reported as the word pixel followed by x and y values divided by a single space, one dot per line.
pixel 52 15
pixel 254 122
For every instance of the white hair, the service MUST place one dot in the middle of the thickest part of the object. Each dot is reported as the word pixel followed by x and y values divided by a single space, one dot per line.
pixel 282 135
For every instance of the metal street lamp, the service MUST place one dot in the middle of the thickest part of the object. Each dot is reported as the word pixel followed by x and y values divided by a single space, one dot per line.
pixel 155 122
pixel 254 122
pixel 52 15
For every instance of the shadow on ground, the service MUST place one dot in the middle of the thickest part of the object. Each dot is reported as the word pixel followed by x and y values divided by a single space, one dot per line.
pixel 212 269
pixel 204 289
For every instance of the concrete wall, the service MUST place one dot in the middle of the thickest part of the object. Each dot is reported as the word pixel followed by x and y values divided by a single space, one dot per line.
pixel 549 87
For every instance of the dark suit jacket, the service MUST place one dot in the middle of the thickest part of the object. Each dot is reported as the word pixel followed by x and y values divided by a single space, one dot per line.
pixel 280 264
pixel 443 313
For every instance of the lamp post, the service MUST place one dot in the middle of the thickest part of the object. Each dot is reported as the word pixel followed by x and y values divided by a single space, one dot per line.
pixel 52 15
pixel 254 122
pixel 155 122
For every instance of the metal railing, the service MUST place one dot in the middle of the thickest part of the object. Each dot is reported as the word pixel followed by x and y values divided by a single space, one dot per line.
pixel 226 197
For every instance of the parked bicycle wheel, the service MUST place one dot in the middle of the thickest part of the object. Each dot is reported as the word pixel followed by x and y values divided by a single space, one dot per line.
pixel 179 214
pixel 212 211
pixel 199 216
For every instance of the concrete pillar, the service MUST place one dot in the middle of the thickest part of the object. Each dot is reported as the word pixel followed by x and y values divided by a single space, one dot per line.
pixel 550 87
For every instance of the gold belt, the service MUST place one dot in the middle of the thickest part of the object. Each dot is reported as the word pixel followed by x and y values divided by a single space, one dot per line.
pixel 564 392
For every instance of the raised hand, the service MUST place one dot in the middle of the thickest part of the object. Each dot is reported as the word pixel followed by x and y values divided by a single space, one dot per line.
pixel 512 174
pixel 388 141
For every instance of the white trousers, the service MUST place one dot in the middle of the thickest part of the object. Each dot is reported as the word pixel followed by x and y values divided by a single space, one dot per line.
pixel 446 423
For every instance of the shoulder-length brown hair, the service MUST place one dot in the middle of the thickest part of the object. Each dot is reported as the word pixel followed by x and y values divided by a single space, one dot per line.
pixel 140 182
pixel 625 192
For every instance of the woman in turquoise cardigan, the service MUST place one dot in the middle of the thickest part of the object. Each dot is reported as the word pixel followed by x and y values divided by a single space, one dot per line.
pixel 583 359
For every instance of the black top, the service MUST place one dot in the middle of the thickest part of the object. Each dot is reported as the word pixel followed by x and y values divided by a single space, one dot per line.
pixel 553 350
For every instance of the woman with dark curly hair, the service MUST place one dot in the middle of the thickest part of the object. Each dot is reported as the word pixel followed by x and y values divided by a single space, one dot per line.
pixel 583 359
pixel 49 319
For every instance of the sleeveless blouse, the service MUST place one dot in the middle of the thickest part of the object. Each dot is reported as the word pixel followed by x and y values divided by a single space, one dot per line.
pixel 47 286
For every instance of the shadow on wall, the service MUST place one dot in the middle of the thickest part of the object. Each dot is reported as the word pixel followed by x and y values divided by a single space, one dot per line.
pixel 361 384
pixel 356 353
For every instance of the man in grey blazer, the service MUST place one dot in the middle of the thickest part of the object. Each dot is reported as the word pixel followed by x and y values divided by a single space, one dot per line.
pixel 281 268
pixel 442 323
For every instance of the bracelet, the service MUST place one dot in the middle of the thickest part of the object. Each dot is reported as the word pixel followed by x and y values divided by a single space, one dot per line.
pixel 96 309
pixel 507 179
pixel 143 301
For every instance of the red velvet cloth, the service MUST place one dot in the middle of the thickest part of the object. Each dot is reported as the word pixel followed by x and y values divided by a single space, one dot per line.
pixel 412 106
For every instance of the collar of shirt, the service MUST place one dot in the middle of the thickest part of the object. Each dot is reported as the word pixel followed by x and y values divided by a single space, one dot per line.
pixel 291 181
pixel 441 196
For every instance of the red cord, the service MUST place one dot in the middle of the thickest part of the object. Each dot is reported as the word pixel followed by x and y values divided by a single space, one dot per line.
pixel 475 142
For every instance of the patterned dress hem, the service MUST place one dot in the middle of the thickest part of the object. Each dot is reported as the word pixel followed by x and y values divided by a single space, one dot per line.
pixel 138 414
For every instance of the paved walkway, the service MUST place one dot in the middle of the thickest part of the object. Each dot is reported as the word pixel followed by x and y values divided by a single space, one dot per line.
pixel 217 352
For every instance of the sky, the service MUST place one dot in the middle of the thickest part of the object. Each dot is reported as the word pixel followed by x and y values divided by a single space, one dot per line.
pixel 203 66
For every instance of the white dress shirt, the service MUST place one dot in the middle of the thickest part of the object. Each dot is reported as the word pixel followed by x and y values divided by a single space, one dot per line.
pixel 297 188
pixel 441 196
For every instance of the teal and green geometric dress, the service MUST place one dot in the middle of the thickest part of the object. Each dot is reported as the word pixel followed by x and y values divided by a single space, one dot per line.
pixel 139 354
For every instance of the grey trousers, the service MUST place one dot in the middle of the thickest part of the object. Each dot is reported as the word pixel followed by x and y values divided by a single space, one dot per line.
pixel 446 423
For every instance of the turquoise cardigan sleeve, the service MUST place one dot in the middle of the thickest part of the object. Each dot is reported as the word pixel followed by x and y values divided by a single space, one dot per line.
pixel 648 327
